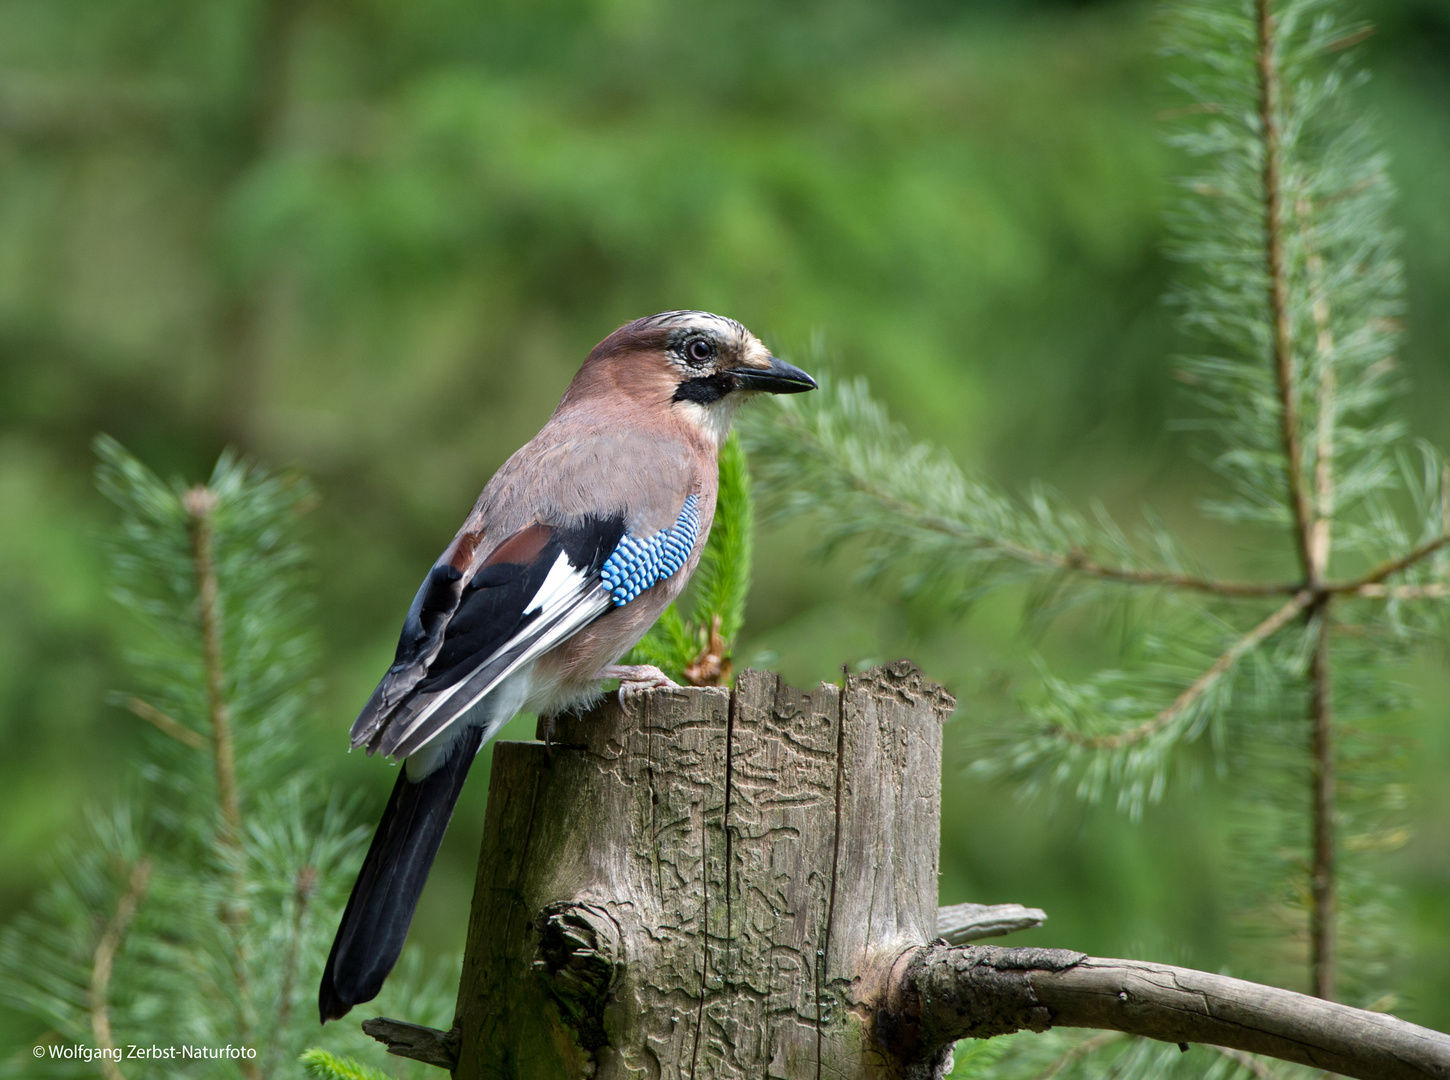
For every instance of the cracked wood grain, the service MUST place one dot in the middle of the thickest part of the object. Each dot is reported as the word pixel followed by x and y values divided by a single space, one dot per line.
pixel 939 994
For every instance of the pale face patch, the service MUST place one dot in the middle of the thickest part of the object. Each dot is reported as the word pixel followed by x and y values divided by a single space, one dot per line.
pixel 713 420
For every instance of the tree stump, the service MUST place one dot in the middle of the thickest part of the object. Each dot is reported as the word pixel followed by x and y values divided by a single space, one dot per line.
pixel 713 884
pixel 705 884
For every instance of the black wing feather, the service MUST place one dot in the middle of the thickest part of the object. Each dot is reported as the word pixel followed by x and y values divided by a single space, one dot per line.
pixel 454 627
pixel 489 613
pixel 422 636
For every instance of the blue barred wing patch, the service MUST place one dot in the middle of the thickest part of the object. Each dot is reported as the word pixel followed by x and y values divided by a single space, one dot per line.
pixel 635 564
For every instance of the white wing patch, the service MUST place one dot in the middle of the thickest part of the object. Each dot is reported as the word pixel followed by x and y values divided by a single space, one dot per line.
pixel 566 602
pixel 561 578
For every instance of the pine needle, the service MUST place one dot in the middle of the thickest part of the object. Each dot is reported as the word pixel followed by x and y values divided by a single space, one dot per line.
pixel 323 1065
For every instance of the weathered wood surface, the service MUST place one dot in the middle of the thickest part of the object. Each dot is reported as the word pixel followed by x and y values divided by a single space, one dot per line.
pixel 958 924
pixel 711 885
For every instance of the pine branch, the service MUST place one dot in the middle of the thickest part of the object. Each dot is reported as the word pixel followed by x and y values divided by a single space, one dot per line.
pixel 1089 1046
pixel 840 458
pixel 103 962
pixel 321 1065
pixel 1363 584
pixel 1322 883
pixel 1324 441
pixel 165 724
pixel 697 651
pixel 1295 287
pixel 1282 334
pixel 1255 1065
pixel 722 581
pixel 1200 686
pixel 236 911
pixel 305 885
pixel 1216 586
pixel 1433 591
pixel 200 504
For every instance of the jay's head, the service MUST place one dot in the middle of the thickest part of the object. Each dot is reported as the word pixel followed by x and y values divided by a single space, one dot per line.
pixel 692 363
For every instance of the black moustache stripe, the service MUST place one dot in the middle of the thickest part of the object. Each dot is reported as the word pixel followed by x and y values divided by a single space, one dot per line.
pixel 705 388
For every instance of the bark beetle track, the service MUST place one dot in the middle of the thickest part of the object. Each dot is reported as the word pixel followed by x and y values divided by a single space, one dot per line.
pixel 524 855
pixel 654 801
pixel 705 913
pixel 517 900
pixel 730 713
pixel 825 956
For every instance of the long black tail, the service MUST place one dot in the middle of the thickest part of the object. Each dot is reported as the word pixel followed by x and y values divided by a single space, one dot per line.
pixel 391 880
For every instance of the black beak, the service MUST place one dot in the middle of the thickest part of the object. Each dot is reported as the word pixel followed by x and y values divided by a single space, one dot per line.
pixel 779 378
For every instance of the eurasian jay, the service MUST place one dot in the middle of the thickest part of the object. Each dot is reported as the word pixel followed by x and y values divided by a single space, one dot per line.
pixel 575 547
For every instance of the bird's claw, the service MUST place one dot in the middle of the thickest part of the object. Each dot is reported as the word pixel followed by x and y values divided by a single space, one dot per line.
pixel 636 679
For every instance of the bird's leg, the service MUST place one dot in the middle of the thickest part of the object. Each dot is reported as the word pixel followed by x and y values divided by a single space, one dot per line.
pixel 635 679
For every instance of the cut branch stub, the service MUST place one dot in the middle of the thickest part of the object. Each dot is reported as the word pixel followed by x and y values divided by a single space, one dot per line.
pixel 425 1044
pixel 695 888
pixel 958 924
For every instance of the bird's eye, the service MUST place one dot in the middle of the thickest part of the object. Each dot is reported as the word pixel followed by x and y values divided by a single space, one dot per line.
pixel 699 350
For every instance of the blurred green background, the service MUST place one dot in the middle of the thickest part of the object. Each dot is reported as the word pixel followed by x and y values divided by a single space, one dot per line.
pixel 372 239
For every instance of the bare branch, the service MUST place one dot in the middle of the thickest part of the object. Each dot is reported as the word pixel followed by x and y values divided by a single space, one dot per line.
pixel 958 924
pixel 937 994
pixel 1272 625
pixel 178 731
pixel 104 960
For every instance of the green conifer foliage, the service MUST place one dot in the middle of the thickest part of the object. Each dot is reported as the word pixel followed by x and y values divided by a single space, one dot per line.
pixel 321 1065
pixel 1292 289
pixel 698 650
pixel 197 910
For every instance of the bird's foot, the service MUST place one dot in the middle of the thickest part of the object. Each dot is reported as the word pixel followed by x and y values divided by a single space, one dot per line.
pixel 549 723
pixel 635 679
